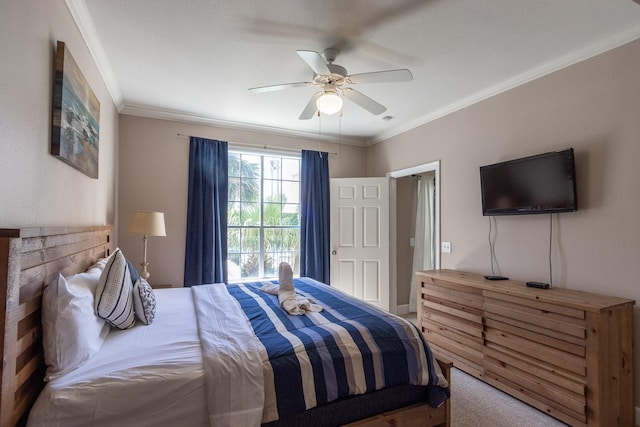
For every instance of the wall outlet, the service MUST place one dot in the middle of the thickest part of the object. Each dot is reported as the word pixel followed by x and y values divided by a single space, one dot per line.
pixel 446 247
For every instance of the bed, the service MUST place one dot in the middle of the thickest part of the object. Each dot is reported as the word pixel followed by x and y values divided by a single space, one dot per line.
pixel 30 258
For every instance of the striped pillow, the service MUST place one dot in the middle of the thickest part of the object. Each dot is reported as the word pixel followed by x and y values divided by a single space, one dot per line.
pixel 114 294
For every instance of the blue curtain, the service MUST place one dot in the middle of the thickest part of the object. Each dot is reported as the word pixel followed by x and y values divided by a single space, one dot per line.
pixel 206 250
pixel 314 207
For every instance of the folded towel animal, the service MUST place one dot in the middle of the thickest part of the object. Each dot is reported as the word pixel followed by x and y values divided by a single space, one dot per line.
pixel 291 302
pixel 270 288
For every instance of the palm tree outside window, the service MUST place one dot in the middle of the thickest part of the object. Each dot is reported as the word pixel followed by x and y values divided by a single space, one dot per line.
pixel 263 214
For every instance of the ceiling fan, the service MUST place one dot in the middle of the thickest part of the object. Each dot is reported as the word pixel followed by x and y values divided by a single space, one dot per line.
pixel 334 81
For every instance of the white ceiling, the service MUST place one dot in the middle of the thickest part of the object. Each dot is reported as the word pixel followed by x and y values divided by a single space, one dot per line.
pixel 195 59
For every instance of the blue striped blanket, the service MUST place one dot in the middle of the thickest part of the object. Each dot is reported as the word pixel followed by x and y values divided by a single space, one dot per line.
pixel 348 348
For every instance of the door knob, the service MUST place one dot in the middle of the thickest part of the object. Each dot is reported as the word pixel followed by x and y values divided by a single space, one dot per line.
pixel 334 253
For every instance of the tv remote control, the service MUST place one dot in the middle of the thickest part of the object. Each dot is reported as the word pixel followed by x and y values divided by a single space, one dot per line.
pixel 538 285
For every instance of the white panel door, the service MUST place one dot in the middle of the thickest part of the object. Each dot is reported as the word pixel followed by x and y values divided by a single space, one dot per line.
pixel 360 238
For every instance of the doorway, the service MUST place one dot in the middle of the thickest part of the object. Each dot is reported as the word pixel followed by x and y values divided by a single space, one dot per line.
pixel 398 284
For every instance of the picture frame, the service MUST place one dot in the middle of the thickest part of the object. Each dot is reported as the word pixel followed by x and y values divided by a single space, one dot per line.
pixel 75 123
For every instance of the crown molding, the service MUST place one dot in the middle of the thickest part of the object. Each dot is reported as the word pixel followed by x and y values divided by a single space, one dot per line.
pixel 155 113
pixel 82 17
pixel 595 49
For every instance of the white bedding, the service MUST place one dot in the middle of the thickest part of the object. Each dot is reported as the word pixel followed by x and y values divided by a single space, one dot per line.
pixel 233 359
pixel 160 380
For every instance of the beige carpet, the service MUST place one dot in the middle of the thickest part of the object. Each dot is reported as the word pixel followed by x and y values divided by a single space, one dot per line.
pixel 476 404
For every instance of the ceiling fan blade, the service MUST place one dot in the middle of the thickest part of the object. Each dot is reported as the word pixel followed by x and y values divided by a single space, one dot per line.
pixel 311 107
pixel 271 88
pixel 403 75
pixel 315 61
pixel 364 101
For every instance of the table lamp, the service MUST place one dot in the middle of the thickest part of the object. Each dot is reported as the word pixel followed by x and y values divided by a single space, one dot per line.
pixel 147 223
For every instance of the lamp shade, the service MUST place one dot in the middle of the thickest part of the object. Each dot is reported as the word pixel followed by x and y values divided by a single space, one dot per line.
pixel 329 103
pixel 148 223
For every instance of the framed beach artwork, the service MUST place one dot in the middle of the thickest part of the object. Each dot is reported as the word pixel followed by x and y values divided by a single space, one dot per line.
pixel 76 116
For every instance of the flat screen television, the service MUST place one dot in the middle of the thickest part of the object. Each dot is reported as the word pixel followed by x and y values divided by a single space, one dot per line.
pixel 544 183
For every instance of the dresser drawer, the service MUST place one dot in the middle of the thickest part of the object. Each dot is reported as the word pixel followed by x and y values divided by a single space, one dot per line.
pixel 451 319
pixel 541 347
pixel 459 336
pixel 540 332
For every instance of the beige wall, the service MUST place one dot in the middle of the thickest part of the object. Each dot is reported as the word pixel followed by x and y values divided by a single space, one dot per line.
pixel 37 189
pixel 594 107
pixel 154 168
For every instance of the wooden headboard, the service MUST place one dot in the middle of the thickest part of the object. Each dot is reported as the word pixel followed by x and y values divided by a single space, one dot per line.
pixel 30 258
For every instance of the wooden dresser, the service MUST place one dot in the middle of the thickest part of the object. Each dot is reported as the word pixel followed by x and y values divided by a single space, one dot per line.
pixel 565 352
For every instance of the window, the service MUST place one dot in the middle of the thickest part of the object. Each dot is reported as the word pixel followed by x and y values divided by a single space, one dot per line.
pixel 263 216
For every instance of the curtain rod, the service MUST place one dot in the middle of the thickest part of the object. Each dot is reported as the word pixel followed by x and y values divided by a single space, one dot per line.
pixel 264 147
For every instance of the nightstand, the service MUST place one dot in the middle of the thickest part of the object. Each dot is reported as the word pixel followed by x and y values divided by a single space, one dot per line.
pixel 160 286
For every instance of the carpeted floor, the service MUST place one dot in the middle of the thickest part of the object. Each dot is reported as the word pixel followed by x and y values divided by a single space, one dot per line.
pixel 476 404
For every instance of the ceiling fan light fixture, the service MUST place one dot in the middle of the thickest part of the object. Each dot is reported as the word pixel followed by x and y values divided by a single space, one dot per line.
pixel 329 103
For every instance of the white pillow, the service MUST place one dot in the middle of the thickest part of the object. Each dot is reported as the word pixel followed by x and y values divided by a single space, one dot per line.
pixel 114 294
pixel 144 301
pixel 72 333
pixel 99 264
